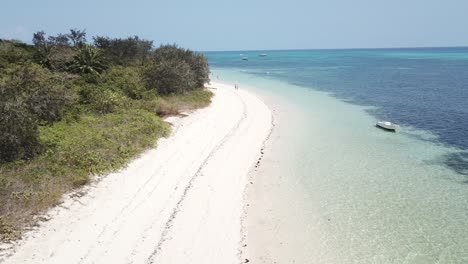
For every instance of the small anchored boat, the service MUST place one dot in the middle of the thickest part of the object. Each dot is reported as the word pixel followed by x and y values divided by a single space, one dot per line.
pixel 388 126
pixel 263 55
pixel 245 58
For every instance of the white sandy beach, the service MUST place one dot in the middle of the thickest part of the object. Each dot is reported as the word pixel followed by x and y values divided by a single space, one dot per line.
pixel 179 203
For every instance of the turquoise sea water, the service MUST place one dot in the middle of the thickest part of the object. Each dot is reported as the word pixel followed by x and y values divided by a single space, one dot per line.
pixel 334 189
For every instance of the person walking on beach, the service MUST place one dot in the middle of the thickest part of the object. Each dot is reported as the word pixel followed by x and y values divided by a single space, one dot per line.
pixel 236 86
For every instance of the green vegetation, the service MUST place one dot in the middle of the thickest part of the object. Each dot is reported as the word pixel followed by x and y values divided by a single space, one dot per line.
pixel 70 110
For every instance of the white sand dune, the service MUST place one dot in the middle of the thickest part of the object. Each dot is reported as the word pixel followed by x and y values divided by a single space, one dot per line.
pixel 179 203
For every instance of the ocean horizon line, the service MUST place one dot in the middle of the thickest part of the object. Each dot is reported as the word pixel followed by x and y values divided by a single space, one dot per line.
pixel 336 49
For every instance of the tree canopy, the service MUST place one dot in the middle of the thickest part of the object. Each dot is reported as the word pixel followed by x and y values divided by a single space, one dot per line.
pixel 128 51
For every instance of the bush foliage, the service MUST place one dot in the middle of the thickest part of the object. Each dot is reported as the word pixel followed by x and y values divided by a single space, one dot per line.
pixel 128 80
pixel 29 96
pixel 128 51
pixel 173 55
pixel 169 77
pixel 35 82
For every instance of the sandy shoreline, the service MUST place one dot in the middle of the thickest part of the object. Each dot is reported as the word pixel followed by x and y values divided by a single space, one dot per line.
pixel 179 203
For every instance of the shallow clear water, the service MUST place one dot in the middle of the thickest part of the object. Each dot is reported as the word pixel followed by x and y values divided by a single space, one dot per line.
pixel 422 88
pixel 334 189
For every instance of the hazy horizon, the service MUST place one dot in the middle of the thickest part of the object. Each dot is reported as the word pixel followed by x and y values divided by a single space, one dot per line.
pixel 363 48
pixel 209 25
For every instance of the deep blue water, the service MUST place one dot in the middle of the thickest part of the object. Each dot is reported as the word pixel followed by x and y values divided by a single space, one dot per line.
pixel 425 88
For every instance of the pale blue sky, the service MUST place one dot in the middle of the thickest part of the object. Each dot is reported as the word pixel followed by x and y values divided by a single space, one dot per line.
pixel 249 24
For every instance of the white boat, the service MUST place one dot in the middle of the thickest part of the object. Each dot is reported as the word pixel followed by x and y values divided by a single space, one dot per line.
pixel 389 126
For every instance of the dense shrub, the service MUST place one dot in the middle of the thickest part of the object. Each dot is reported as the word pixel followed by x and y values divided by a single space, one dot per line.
pixel 99 143
pixel 54 52
pixel 106 101
pixel 100 98
pixel 29 95
pixel 158 106
pixel 128 80
pixel 198 63
pixel 18 131
pixel 39 89
pixel 14 52
pixel 128 51
pixel 85 92
pixel 169 76
pixel 174 104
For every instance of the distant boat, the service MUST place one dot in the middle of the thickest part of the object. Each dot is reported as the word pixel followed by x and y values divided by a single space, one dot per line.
pixel 388 126
pixel 263 55
pixel 245 58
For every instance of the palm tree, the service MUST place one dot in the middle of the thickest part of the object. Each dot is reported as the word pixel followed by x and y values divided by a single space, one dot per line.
pixel 88 59
pixel 77 37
